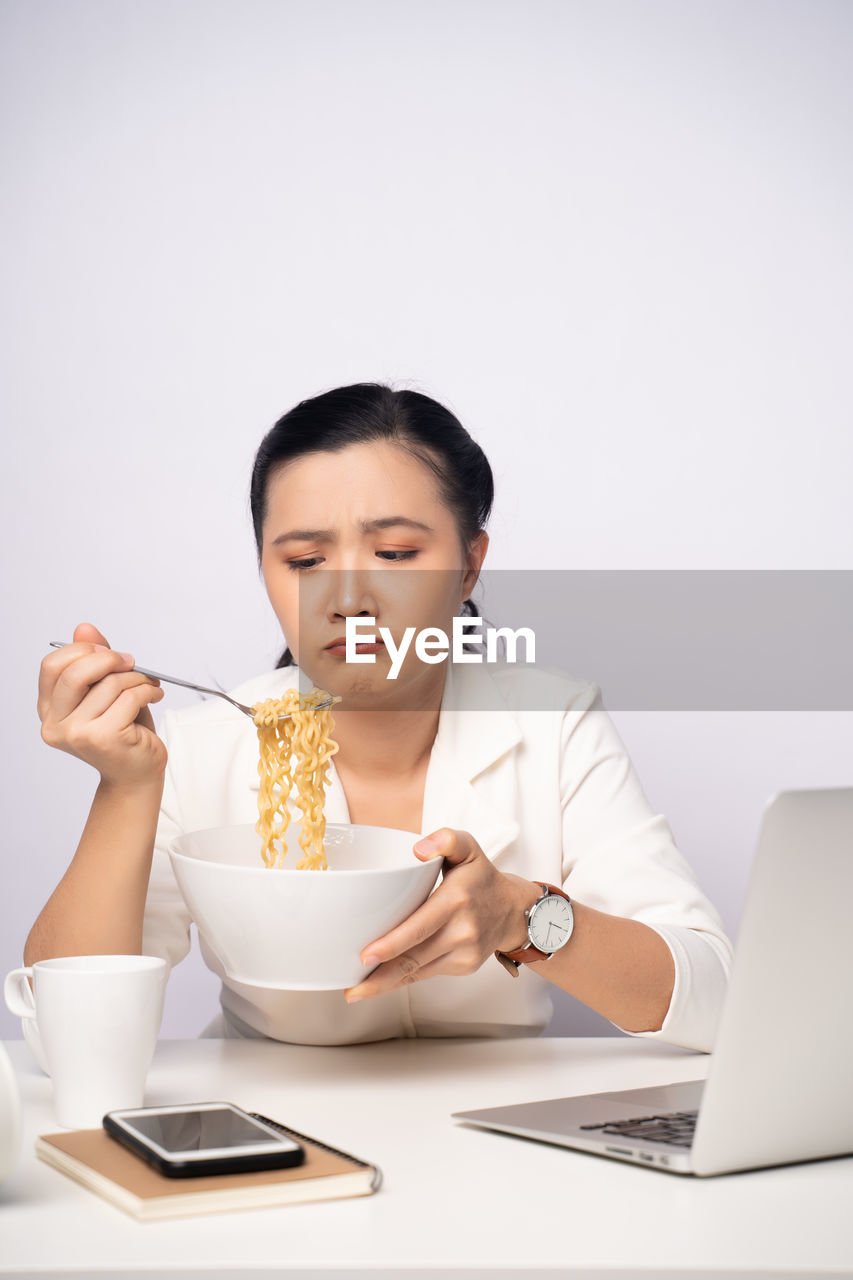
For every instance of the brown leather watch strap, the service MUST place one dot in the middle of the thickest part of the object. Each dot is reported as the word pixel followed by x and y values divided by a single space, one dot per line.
pixel 531 954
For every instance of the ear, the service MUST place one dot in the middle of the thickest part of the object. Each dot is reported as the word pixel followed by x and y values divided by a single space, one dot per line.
pixel 473 562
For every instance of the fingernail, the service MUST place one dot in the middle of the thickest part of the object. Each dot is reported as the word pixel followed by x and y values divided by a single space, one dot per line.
pixel 429 844
pixel 128 657
pixel 352 999
pixel 369 959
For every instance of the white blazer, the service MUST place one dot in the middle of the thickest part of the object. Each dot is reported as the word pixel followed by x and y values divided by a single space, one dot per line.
pixel 548 794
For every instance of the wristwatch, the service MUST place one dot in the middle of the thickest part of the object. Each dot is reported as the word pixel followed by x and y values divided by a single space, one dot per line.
pixel 550 922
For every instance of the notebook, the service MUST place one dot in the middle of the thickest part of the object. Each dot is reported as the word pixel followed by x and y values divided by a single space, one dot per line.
pixel 94 1159
pixel 778 1088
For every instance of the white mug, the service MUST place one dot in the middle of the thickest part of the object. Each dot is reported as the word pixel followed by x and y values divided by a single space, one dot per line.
pixel 10 1116
pixel 98 1020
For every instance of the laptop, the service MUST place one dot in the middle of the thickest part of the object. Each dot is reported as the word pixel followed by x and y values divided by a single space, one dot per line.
pixel 779 1084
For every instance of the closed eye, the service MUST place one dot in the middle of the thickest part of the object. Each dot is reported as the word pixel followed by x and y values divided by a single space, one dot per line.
pixel 304 564
pixel 311 562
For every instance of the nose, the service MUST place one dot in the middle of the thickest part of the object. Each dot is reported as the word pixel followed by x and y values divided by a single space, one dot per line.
pixel 351 594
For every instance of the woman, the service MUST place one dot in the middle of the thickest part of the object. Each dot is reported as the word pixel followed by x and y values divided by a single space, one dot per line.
pixel 372 503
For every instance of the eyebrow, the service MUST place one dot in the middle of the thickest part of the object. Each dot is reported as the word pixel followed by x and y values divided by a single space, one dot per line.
pixel 366 526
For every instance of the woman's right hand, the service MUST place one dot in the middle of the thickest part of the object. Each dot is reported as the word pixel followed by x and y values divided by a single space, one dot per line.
pixel 92 705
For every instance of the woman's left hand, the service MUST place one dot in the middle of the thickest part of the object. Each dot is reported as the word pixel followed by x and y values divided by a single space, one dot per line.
pixel 475 911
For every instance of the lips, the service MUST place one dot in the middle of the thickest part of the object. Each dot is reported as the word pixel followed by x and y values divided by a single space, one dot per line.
pixel 338 647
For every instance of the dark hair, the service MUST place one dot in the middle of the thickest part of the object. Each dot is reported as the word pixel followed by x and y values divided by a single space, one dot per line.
pixel 369 411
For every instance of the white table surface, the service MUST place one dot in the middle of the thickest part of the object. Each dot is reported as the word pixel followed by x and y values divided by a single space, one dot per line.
pixel 455 1201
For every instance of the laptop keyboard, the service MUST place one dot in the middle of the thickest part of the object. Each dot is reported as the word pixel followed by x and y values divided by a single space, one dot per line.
pixel 676 1128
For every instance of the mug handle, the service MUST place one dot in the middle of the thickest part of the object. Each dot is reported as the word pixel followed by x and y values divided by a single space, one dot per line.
pixel 12 993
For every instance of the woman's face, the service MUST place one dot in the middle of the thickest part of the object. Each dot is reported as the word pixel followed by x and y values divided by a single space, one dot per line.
pixel 362 532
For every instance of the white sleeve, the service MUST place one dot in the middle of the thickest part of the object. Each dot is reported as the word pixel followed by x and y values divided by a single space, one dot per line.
pixel 620 857
pixel 166 923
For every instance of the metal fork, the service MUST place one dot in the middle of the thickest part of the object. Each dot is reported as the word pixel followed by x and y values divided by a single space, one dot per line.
pixel 200 688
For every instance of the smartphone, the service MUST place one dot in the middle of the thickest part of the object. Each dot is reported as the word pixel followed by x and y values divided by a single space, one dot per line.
pixel 203 1138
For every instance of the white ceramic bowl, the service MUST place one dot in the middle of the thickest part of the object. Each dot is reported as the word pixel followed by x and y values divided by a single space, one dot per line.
pixel 299 930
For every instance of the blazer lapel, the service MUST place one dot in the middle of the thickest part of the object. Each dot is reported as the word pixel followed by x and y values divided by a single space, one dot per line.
pixel 471 781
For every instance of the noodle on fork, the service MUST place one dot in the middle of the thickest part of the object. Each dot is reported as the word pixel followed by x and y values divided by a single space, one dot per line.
pixel 294 753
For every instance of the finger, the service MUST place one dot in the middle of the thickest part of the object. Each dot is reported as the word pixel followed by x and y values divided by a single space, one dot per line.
pixel 87 638
pixel 455 846
pixel 124 710
pixel 404 970
pixel 77 678
pixel 89 634
pixel 415 930
pixel 102 695
pixel 437 909
pixel 56 664
pixel 146 720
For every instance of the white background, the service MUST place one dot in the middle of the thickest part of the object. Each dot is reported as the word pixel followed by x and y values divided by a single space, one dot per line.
pixel 612 236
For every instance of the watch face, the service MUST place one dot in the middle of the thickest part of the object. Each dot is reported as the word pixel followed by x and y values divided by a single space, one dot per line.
pixel 551 923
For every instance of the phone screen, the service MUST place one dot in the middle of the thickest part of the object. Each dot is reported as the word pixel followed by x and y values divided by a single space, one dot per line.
pixel 217 1128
